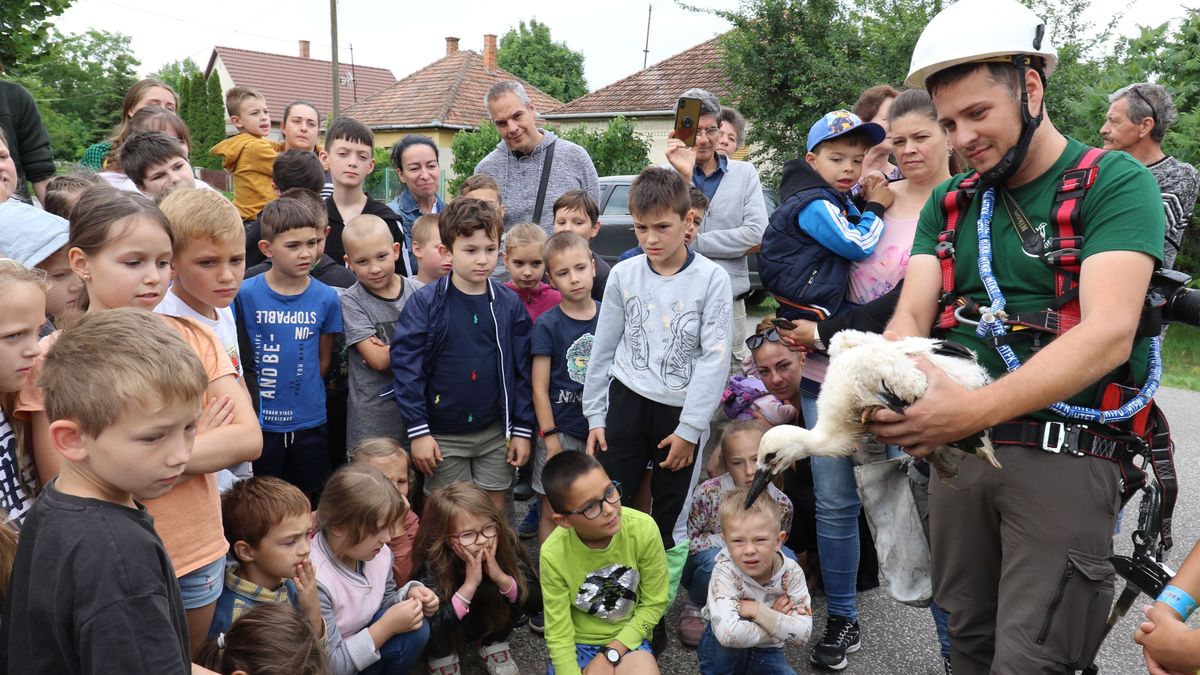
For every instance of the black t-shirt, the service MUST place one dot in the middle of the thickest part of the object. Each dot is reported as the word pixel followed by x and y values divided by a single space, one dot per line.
pixel 464 392
pixel 568 343
pixel 92 591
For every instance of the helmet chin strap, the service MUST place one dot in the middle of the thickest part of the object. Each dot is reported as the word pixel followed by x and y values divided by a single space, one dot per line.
pixel 1012 160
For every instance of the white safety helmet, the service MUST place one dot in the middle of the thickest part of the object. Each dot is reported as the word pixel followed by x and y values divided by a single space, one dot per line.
pixel 979 30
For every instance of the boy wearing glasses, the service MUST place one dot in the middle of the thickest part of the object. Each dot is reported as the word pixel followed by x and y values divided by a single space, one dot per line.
pixel 604 573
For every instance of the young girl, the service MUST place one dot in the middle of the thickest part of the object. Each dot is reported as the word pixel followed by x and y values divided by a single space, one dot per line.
pixel 523 257
pixel 379 627
pixel 268 639
pixel 120 245
pixel 470 557
pixel 387 455
pixel 22 313
pixel 739 456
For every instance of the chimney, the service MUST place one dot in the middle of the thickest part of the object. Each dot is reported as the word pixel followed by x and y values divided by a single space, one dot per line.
pixel 489 53
pixel 451 46
pixel 304 45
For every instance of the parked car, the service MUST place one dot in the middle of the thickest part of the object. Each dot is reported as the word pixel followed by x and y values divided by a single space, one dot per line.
pixel 616 228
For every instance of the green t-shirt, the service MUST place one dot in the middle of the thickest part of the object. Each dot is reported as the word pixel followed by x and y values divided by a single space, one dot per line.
pixel 594 596
pixel 1122 211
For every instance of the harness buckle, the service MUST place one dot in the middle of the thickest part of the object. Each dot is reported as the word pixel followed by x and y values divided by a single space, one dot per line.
pixel 1066 438
pixel 1062 256
pixel 944 249
pixel 1078 180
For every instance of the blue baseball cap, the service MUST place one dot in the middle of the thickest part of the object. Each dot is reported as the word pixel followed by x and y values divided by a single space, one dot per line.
pixel 839 123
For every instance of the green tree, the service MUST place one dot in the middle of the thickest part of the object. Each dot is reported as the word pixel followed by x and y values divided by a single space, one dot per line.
pixel 25 30
pixel 529 53
pixel 174 72
pixel 616 150
pixel 468 148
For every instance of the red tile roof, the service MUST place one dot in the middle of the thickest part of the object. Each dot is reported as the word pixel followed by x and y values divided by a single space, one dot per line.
pixel 448 92
pixel 657 88
pixel 282 79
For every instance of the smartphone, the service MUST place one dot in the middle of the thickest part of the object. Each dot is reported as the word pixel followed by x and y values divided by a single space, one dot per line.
pixel 784 324
pixel 687 120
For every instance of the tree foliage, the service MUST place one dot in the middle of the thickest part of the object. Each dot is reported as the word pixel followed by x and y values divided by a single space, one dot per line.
pixel 529 53
pixel 469 147
pixel 202 107
pixel 25 30
pixel 616 150
pixel 175 72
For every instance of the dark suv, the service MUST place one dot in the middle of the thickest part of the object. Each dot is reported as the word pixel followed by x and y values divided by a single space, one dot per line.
pixel 616 228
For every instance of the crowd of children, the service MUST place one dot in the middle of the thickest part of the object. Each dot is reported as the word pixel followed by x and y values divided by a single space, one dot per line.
pixel 235 481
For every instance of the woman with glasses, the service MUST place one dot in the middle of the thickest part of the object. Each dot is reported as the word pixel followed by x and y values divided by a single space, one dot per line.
pixel 467 553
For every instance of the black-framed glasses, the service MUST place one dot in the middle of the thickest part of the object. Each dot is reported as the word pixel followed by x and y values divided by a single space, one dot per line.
pixel 469 537
pixel 755 341
pixel 592 509
pixel 1153 115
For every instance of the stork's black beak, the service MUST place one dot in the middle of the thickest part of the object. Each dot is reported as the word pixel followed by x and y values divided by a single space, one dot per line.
pixel 762 478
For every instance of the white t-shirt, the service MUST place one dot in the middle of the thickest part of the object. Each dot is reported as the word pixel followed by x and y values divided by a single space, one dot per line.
pixel 225 326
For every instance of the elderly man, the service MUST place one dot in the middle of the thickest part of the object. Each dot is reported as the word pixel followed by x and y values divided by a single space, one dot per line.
pixel 737 212
pixel 1137 121
pixel 532 166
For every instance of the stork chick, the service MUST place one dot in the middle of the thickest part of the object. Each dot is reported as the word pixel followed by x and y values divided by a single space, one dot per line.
pixel 866 371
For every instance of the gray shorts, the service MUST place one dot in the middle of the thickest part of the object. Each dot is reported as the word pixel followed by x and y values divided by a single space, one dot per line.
pixel 480 457
pixel 539 457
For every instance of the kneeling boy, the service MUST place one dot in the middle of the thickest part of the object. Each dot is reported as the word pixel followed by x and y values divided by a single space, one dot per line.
pixel 604 572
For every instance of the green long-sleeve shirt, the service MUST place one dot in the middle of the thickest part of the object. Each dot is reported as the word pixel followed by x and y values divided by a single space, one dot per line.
pixel 593 596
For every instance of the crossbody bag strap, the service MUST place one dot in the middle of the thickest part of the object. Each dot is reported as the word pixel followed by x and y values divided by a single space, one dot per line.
pixel 541 193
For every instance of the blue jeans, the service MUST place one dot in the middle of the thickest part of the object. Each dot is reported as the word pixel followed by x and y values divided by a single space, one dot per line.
pixel 717 659
pixel 941 620
pixel 398 655
pixel 698 569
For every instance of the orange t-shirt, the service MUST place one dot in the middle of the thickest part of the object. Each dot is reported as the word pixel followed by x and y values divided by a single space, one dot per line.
pixel 188 518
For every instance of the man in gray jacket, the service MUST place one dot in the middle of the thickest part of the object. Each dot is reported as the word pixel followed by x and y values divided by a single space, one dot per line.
pixel 737 212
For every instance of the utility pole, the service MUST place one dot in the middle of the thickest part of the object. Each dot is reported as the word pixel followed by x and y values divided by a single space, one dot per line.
pixel 646 51
pixel 337 84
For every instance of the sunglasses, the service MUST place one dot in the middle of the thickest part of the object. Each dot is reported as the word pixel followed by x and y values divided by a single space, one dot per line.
pixel 1153 115
pixel 755 341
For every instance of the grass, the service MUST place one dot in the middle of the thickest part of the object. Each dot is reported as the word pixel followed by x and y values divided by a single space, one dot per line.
pixel 1181 358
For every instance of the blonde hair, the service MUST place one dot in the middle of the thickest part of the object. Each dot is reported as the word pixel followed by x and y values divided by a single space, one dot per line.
pixel 236 96
pixel 8 552
pixel 425 227
pixel 363 226
pixel 361 500
pixel 561 242
pixel 11 274
pixel 381 447
pixel 202 215
pixel 524 234
pixel 108 363
pixel 733 508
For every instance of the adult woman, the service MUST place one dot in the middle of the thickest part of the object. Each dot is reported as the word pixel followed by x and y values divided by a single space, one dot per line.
pixel 147 92
pixel 873 106
pixel 415 159
pixel 300 130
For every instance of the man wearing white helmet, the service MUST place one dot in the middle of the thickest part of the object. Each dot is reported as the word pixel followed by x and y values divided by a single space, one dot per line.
pixel 1020 554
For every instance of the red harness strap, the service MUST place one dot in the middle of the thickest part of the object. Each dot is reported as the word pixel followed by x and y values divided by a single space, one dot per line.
pixel 955 204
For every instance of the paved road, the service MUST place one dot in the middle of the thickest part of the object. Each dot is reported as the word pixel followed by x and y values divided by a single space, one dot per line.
pixel 900 639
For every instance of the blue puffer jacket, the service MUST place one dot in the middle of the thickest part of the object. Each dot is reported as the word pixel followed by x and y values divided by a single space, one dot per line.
pixel 810 243
pixel 422 337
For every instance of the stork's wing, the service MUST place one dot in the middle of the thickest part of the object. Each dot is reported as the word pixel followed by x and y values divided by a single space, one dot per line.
pixel 970 444
pixel 953 349
pixel 890 400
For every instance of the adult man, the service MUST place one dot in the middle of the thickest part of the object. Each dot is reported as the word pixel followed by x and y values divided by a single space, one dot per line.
pixel 518 162
pixel 737 212
pixel 1137 120
pixel 28 141
pixel 1020 554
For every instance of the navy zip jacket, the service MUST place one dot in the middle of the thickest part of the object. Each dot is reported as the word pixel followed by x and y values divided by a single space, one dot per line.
pixel 811 241
pixel 422 337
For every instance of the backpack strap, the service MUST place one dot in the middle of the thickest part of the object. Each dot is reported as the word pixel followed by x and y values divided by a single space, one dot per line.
pixel 954 205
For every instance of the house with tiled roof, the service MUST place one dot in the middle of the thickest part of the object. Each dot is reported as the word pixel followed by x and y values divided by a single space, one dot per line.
pixel 282 79
pixel 441 99
pixel 647 98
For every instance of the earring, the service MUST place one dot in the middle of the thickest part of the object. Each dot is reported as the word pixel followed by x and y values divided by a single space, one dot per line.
pixel 86 277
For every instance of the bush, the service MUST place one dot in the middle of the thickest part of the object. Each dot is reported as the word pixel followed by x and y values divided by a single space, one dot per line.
pixel 469 147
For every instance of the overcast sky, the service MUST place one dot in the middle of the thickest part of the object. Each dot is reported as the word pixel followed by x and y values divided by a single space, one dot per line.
pixel 405 36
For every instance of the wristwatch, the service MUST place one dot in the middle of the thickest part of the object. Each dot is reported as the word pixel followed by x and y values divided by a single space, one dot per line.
pixel 612 655
pixel 816 341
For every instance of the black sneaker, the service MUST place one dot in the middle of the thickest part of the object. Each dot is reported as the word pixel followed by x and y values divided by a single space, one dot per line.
pixel 946 665
pixel 537 623
pixel 523 490
pixel 841 638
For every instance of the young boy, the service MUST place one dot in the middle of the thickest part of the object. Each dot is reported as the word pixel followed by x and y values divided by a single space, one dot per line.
pixel 290 320
pixel 92 586
pixel 604 573
pixel 266 522
pixel 248 155
pixel 156 163
pixel 660 357
pixel 326 270
pixel 350 153
pixel 757 599
pixel 432 261
pixel 576 211
pixel 562 345
pixel 292 169
pixel 460 357
pixel 369 312
pixel 817 232
pixel 699 209
pixel 485 188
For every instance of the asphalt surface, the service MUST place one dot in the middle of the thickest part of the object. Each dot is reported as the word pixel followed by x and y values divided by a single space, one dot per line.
pixel 900 639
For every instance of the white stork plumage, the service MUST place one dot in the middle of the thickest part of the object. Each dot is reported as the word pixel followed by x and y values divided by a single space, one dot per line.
pixel 867 371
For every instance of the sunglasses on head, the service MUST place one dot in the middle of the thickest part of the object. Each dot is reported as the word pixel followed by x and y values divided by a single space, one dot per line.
pixel 1153 115
pixel 755 341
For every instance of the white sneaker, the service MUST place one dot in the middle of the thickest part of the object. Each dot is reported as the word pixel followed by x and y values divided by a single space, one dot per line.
pixel 498 659
pixel 446 665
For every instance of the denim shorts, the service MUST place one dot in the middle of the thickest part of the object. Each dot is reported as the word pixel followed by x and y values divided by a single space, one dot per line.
pixel 585 653
pixel 202 587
